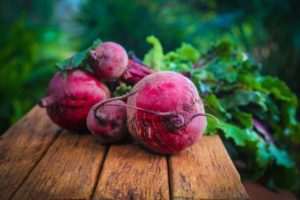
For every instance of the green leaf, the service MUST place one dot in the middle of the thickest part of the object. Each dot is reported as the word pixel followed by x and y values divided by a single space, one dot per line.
pixel 296 135
pixel 238 135
pixel 122 89
pixel 243 98
pixel 214 105
pixel 248 139
pixel 251 81
pixel 78 60
pixel 273 110
pixel 222 49
pixel 188 52
pixel 212 126
pixel 154 57
pixel 202 74
pixel 223 70
pixel 286 178
pixel 263 157
pixel 204 80
pixel 281 157
pixel 289 109
pixel 245 119
pixel 278 88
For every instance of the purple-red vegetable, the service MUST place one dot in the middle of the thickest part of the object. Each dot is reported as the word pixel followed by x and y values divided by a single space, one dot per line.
pixel 165 113
pixel 108 61
pixel 108 122
pixel 135 72
pixel 70 96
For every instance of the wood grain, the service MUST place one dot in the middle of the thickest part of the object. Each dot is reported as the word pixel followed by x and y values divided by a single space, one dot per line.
pixel 205 171
pixel 132 173
pixel 68 170
pixel 22 146
pixel 38 161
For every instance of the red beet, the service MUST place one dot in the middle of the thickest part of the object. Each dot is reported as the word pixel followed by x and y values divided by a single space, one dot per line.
pixel 135 72
pixel 169 116
pixel 108 122
pixel 70 97
pixel 108 61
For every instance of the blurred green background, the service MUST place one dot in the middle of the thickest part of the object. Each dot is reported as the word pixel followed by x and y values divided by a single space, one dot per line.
pixel 36 34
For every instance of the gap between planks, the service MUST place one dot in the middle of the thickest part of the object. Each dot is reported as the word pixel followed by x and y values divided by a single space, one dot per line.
pixel 169 177
pixel 21 148
pixel 130 172
pixel 99 172
pixel 44 153
pixel 68 171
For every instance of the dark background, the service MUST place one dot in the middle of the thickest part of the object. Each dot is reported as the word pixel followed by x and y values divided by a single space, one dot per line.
pixel 36 34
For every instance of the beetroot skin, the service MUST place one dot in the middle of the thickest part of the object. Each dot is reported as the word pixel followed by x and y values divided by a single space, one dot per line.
pixel 108 122
pixel 108 61
pixel 70 97
pixel 135 72
pixel 179 120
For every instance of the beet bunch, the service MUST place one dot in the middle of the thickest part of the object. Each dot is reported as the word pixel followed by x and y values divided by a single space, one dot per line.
pixel 163 111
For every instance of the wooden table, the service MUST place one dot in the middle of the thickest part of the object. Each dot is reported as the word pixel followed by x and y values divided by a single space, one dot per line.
pixel 40 161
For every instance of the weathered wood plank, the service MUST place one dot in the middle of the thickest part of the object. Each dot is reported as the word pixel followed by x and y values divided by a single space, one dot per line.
pixel 36 162
pixel 132 173
pixel 69 169
pixel 205 171
pixel 22 146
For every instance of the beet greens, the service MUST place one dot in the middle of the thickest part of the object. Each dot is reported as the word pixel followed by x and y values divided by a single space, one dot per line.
pixel 257 113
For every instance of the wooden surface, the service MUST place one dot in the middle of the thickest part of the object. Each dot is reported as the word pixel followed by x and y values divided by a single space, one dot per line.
pixel 209 173
pixel 131 173
pixel 68 171
pixel 22 147
pixel 40 161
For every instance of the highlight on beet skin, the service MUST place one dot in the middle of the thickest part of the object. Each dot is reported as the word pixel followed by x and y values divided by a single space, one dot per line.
pixel 70 96
pixel 108 61
pixel 170 114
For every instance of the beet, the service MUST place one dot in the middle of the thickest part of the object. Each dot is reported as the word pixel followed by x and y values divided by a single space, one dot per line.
pixel 70 96
pixel 165 113
pixel 108 122
pixel 135 72
pixel 108 61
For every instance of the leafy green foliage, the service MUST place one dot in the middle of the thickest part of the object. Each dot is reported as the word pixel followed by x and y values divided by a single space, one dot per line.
pixel 155 56
pixel 250 25
pixel 28 50
pixel 78 60
pixel 256 113
pixel 122 89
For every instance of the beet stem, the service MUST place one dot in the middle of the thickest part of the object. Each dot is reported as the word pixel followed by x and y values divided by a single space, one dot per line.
pixel 175 113
pixel 112 99
pixel 197 115
pixel 93 54
pixel 45 102
pixel 146 111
